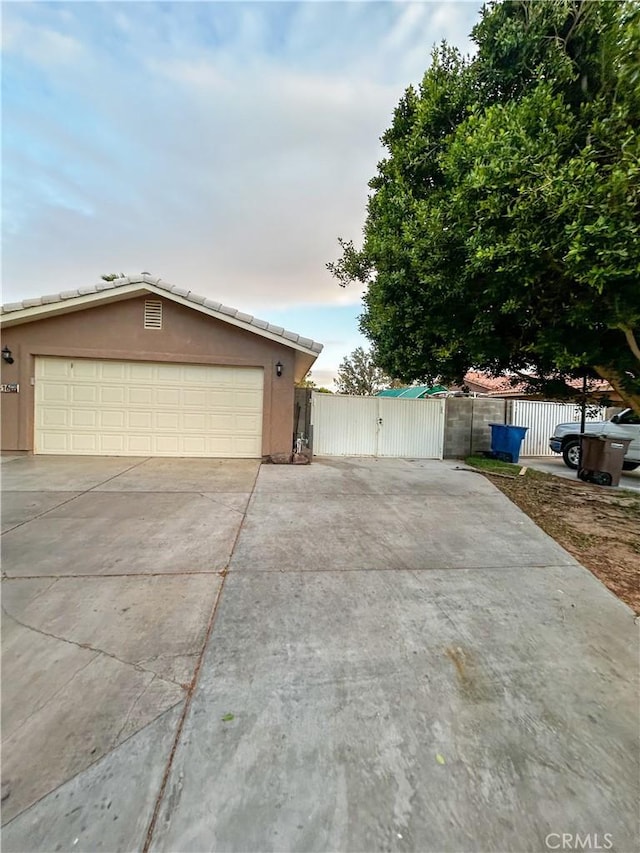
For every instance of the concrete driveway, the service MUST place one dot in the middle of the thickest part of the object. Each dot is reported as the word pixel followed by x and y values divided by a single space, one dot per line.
pixel 111 568
pixel 554 465
pixel 398 659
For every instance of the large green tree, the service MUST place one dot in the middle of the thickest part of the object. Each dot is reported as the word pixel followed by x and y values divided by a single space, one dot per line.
pixel 503 227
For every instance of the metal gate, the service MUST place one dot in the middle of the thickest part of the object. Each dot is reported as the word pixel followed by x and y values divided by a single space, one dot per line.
pixel 541 418
pixel 377 426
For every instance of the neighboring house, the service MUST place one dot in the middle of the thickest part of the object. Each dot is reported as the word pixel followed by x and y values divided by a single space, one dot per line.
pixel 477 383
pixel 138 367
pixel 414 392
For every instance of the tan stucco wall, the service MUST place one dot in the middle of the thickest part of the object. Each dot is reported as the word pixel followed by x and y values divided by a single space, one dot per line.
pixel 116 331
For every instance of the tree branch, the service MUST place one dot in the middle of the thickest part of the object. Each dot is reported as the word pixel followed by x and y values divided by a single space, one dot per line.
pixel 631 339
pixel 610 375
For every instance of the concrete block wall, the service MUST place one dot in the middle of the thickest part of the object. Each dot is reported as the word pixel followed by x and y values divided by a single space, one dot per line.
pixel 467 420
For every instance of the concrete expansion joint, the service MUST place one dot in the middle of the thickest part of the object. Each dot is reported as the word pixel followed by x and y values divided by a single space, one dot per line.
pixel 75 497
pixel 89 647
pixel 102 575
pixel 194 681
pixel 97 759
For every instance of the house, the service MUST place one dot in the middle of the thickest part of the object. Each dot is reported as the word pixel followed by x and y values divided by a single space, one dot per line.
pixel 139 367
pixel 481 384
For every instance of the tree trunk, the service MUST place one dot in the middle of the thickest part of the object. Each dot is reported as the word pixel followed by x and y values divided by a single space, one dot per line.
pixel 615 380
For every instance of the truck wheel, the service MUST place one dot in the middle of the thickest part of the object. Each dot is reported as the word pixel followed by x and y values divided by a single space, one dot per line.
pixel 630 466
pixel 571 453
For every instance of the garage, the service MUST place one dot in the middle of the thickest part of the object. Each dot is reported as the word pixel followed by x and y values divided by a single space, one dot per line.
pixel 120 408
pixel 140 367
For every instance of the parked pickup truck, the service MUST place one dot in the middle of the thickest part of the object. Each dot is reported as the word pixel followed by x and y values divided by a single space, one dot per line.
pixel 566 438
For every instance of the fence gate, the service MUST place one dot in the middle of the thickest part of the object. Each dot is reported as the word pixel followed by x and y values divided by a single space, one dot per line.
pixel 377 426
pixel 541 419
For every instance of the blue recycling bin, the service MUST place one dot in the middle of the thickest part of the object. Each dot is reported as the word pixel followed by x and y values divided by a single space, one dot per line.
pixel 506 440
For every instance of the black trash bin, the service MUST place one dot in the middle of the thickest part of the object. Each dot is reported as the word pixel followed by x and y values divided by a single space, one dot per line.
pixel 601 459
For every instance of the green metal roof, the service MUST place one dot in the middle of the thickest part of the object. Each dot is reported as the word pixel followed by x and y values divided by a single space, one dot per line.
pixel 414 392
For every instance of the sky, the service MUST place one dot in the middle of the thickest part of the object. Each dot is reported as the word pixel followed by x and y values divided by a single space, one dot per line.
pixel 223 147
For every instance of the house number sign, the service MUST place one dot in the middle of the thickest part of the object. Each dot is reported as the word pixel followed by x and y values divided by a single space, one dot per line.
pixel 10 388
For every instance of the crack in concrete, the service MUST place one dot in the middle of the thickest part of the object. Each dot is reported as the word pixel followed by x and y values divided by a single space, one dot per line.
pixel 95 761
pixel 130 712
pixel 222 503
pixel 42 591
pixel 53 695
pixel 91 648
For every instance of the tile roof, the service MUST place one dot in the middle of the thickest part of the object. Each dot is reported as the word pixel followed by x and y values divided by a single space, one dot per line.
pixel 505 386
pixel 255 324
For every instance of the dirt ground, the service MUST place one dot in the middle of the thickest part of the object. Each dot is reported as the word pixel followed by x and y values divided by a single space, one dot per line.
pixel 599 526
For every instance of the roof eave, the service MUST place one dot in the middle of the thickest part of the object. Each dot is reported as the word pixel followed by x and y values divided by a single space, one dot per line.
pixel 109 292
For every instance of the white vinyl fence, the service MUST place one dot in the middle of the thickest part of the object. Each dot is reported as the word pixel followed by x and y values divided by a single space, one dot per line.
pixel 377 426
pixel 541 418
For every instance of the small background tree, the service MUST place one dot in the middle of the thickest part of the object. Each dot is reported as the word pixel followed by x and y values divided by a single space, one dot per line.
pixel 307 382
pixel 359 374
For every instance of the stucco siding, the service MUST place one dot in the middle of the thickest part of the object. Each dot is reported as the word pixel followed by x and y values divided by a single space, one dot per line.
pixel 116 331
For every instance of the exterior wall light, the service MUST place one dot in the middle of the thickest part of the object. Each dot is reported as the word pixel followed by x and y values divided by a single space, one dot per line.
pixel 6 355
pixel 278 368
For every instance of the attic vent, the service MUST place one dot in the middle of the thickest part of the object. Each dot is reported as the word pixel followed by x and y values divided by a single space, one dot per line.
pixel 152 314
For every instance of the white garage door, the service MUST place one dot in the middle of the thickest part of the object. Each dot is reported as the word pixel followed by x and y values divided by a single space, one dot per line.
pixel 131 408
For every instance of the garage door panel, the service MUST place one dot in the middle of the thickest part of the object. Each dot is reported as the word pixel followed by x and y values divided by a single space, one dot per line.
pixel 195 445
pixel 246 445
pixel 245 379
pixel 243 399
pixel 80 418
pixel 221 398
pixel 112 395
pixel 84 369
pixel 167 421
pixel 137 396
pixel 167 397
pixel 195 398
pixel 54 418
pixel 54 392
pixel 195 373
pixel 53 442
pixel 167 445
pixel 140 420
pixel 55 368
pixel 194 422
pixel 140 372
pixel 83 442
pixel 221 423
pixel 84 393
pixel 246 423
pixel 110 371
pixel 111 444
pixel 111 419
pixel 147 409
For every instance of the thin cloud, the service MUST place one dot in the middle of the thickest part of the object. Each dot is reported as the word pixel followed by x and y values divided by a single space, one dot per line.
pixel 221 146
